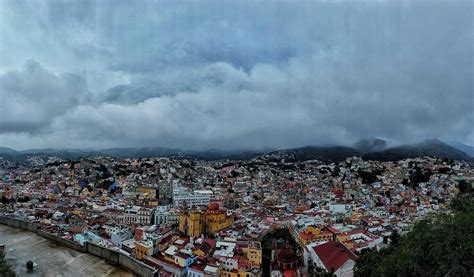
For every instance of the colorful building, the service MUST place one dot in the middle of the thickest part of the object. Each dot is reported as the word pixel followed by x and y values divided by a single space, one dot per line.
pixel 194 223
pixel 216 219
pixel 143 249
pixel 254 253
pixel 190 223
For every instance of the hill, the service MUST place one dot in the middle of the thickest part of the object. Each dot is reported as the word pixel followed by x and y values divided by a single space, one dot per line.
pixel 463 147
pixel 364 148
pixel 6 150
pixel 143 152
pixel 432 148
pixel 370 145
pixel 322 153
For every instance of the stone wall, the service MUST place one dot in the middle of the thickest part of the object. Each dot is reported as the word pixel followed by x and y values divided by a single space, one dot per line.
pixel 115 257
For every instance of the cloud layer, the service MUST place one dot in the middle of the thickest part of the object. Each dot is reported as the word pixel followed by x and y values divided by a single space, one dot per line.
pixel 234 75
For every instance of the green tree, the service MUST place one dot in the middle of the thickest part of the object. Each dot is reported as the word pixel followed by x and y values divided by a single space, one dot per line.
pixel 439 246
pixel 5 270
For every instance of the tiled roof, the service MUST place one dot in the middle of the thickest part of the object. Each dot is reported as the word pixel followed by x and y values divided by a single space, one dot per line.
pixel 333 254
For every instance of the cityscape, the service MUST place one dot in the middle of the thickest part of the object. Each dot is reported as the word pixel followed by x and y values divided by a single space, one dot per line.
pixel 262 217
pixel 236 138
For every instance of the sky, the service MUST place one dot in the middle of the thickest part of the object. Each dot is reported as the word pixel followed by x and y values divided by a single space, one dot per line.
pixel 234 74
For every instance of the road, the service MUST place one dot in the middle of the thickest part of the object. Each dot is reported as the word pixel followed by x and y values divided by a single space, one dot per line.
pixel 52 259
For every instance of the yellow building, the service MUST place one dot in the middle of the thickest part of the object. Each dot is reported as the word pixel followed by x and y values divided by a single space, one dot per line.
pixel 150 192
pixel 143 249
pixel 151 203
pixel 190 223
pixel 254 253
pixel 77 212
pixel 199 252
pixel 313 229
pixel 216 219
pixel 342 237
pixel 52 197
pixel 195 223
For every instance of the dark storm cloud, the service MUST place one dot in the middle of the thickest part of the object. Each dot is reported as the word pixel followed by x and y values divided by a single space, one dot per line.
pixel 33 96
pixel 240 74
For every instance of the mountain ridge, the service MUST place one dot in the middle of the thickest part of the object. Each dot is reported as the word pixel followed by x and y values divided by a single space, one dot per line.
pixel 432 147
pixel 463 147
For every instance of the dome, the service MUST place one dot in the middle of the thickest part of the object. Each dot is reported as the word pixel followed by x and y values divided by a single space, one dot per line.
pixel 286 255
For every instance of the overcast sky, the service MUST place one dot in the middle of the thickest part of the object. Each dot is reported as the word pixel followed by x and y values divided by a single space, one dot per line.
pixel 234 74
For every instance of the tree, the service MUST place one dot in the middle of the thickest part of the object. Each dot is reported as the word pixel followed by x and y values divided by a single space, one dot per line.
pixel 394 238
pixel 465 187
pixel 439 246
pixel 5 269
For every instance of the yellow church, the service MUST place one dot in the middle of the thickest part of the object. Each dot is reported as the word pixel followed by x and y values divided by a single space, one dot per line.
pixel 195 223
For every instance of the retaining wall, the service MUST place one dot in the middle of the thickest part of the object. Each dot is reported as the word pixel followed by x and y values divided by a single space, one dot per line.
pixel 104 253
pixel 135 266
pixel 63 242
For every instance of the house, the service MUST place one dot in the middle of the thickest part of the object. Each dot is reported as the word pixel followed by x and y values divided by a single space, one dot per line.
pixel 143 248
pixel 333 257
pixel 196 270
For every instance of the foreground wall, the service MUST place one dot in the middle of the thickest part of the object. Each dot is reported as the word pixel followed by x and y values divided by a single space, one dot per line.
pixel 64 242
pixel 135 266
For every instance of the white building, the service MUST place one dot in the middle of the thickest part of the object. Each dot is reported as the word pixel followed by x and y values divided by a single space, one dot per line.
pixel 339 208
pixel 165 215
pixel 196 198
pixel 136 215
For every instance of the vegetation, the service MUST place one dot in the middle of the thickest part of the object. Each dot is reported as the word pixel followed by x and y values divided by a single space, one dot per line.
pixel 5 270
pixel 439 246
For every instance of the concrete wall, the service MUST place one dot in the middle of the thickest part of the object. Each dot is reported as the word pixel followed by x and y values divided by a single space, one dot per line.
pixel 135 266
pixel 63 242
pixel 123 260
pixel 104 253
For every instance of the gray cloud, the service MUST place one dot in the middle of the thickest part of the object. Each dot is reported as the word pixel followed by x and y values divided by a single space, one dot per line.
pixel 235 75
pixel 33 96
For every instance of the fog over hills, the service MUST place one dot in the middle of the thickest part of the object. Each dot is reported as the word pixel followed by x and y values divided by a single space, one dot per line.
pixel 433 148
pixel 463 147
pixel 371 145
pixel 369 149
pixel 6 150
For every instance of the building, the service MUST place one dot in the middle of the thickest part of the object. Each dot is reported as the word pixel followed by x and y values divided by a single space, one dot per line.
pixel 118 236
pixel 333 257
pixel 165 192
pixel 149 192
pixel 339 208
pixel 190 223
pixel 253 252
pixel 286 258
pixel 135 215
pixel 197 198
pixel 145 216
pixel 166 215
pixel 143 249
pixel 194 223
pixel 216 219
